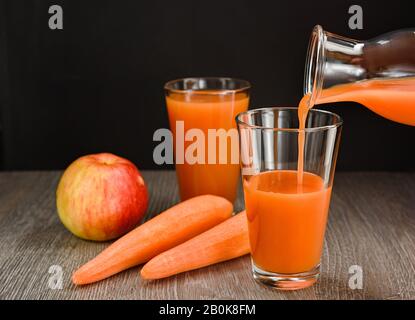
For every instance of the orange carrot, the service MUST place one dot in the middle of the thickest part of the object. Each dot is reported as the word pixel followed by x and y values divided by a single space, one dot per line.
pixel 223 242
pixel 169 229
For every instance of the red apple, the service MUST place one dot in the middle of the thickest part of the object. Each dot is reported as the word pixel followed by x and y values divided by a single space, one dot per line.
pixel 101 197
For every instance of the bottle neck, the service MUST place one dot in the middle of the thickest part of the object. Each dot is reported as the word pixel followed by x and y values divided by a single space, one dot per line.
pixel 331 60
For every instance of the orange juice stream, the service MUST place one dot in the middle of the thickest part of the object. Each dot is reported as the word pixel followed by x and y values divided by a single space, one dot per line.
pixel 206 110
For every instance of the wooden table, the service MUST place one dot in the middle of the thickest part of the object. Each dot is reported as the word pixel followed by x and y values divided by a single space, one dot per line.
pixel 372 225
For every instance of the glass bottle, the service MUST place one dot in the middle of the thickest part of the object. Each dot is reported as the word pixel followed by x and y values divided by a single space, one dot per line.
pixel 378 73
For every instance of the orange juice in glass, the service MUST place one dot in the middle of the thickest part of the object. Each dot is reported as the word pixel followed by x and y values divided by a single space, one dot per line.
pixel 286 215
pixel 202 115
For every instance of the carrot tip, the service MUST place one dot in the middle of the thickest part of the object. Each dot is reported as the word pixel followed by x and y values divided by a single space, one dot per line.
pixel 144 275
pixel 76 279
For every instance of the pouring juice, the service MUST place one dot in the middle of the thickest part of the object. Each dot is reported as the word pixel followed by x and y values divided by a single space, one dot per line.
pixel 287 209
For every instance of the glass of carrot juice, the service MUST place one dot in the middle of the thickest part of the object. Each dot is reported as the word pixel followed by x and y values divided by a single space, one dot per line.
pixel 202 115
pixel 287 181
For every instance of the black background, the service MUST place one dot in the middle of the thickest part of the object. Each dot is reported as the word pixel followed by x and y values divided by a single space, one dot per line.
pixel 97 84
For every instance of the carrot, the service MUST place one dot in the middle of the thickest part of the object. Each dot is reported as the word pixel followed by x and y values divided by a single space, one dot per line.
pixel 223 242
pixel 169 229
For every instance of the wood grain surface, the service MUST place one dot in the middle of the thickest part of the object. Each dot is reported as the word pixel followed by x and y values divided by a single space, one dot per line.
pixel 372 225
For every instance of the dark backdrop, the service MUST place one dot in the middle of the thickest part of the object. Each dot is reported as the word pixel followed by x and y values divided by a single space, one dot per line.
pixel 97 84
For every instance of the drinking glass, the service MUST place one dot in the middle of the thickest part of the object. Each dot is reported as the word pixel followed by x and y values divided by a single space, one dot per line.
pixel 287 213
pixel 202 115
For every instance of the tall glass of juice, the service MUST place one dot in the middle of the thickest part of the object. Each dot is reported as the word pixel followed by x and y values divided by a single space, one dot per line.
pixel 286 208
pixel 202 115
